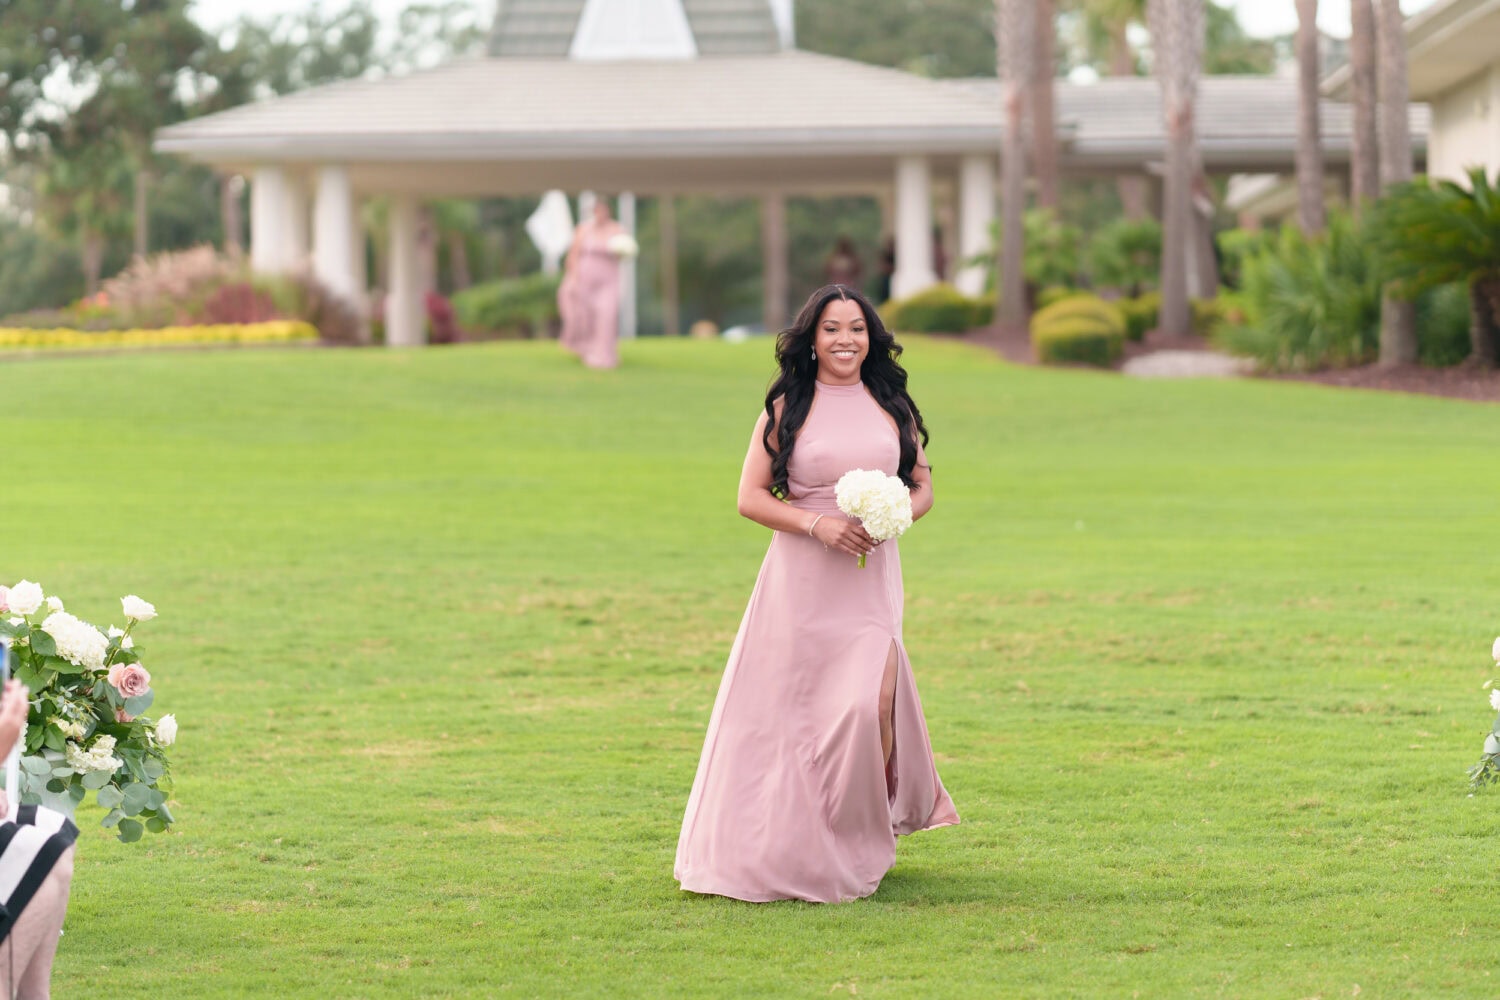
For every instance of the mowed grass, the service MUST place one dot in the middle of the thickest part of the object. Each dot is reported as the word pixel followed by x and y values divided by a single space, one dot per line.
pixel 1202 664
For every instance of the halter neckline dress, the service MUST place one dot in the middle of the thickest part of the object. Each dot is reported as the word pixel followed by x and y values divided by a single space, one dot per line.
pixel 792 799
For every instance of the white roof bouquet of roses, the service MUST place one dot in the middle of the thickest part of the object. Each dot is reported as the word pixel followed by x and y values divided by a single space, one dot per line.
pixel 87 729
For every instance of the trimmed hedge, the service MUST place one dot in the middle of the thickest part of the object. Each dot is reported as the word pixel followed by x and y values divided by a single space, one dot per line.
pixel 275 332
pixel 1141 314
pixel 1106 315
pixel 1077 340
pixel 938 309
pixel 518 306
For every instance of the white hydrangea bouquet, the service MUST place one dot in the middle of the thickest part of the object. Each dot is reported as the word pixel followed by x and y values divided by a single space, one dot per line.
pixel 86 731
pixel 881 502
pixel 1487 771
pixel 623 245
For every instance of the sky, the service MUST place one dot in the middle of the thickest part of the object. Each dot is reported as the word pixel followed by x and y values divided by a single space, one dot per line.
pixel 1260 17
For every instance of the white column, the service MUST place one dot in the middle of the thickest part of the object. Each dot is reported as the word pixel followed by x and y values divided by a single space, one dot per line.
pixel 405 319
pixel 333 234
pixel 773 249
pixel 269 221
pixel 913 227
pixel 976 216
pixel 628 317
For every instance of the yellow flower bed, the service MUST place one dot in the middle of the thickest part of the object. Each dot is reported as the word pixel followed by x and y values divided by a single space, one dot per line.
pixel 277 332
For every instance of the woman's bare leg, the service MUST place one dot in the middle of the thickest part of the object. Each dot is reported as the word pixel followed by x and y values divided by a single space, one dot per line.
pixel 34 937
pixel 888 704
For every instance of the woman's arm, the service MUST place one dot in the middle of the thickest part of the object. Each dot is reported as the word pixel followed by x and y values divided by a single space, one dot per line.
pixel 759 504
pixel 13 708
pixel 921 496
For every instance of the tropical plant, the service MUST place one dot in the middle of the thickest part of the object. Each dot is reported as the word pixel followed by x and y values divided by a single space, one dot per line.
pixel 1433 233
pixel 1126 254
pixel 1309 302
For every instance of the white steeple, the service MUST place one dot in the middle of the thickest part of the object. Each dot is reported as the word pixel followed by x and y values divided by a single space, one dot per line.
pixel 633 29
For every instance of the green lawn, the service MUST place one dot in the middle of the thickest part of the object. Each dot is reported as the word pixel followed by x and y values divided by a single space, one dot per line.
pixel 1202 664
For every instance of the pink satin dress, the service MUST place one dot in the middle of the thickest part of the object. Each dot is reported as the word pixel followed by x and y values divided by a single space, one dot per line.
pixel 589 302
pixel 792 799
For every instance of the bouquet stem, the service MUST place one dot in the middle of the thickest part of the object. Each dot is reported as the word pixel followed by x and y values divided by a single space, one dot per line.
pixel 861 560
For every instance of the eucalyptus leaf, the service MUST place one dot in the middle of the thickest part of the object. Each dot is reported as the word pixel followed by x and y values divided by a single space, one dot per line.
pixel 56 785
pixel 138 704
pixel 110 796
pixel 154 768
pixel 165 813
pixel 137 797
pixel 156 824
pixel 54 740
pixel 76 793
pixel 130 831
pixel 96 780
pixel 36 765
pixel 155 800
pixel 111 818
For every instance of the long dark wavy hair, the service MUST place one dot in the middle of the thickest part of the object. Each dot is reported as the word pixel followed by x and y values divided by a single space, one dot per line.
pixel 881 373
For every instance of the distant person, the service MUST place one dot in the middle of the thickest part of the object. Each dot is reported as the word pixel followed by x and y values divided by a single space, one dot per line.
pixel 842 266
pixel 816 755
pixel 36 872
pixel 588 299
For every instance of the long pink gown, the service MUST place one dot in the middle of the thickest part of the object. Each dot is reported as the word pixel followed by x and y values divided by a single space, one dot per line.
pixel 589 302
pixel 792 799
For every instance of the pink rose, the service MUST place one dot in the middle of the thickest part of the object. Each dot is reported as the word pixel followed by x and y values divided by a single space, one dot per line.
pixel 120 715
pixel 131 680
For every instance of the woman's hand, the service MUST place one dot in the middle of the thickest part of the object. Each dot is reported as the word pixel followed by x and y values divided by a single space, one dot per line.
pixel 14 704
pixel 846 536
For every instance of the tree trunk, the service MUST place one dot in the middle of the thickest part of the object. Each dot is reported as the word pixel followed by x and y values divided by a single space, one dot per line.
pixel 1484 322
pixel 1044 103
pixel 458 261
pixel 93 260
pixel 1364 155
pixel 1177 33
pixel 1310 215
pixel 1131 187
pixel 1013 22
pixel 231 217
pixel 141 211
pixel 1398 327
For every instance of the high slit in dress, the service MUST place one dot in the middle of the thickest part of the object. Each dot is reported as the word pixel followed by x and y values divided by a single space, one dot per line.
pixel 792 799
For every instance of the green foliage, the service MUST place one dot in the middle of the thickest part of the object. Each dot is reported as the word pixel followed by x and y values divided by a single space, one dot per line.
pixel 1053 256
pixel 1077 340
pixel 1126 255
pixel 1107 316
pixel 1235 246
pixel 1141 314
pixel 1309 303
pixel 941 38
pixel 938 309
pixel 1054 293
pixel 1443 318
pixel 510 307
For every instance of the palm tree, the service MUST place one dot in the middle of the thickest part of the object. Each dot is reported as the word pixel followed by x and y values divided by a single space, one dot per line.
pixel 1309 146
pixel 1044 104
pixel 1107 23
pixel 1177 31
pixel 1013 28
pixel 1432 234
pixel 1364 156
pixel 1398 321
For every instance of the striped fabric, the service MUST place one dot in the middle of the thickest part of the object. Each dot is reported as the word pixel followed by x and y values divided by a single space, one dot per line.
pixel 29 847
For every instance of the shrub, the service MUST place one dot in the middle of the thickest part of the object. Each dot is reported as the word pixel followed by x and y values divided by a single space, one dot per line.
pixel 515 306
pixel 238 302
pixel 1443 318
pixel 1054 293
pixel 1141 314
pixel 441 327
pixel 938 309
pixel 1309 303
pixel 1105 315
pixel 280 331
pixel 1077 340
pixel 1126 254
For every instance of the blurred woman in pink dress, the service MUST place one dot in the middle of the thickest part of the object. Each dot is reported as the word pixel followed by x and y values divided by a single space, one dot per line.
pixel 588 299
pixel 817 754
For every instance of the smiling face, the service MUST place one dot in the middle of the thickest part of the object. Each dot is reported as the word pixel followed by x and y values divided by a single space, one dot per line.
pixel 842 342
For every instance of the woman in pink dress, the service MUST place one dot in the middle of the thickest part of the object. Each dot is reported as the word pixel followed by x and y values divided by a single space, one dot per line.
pixel 588 298
pixel 817 754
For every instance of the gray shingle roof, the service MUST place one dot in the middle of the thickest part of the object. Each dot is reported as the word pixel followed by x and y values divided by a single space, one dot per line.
pixel 545 28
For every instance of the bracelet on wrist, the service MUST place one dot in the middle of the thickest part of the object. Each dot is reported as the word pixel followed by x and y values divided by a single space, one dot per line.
pixel 814 524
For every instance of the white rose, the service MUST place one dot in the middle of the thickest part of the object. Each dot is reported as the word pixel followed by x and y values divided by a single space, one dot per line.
pixel 78 642
pixel 138 609
pixel 25 597
pixel 1494 650
pixel 115 632
pixel 1495 699
pixel 1491 744
pixel 54 604
pixel 127 643
pixel 166 730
